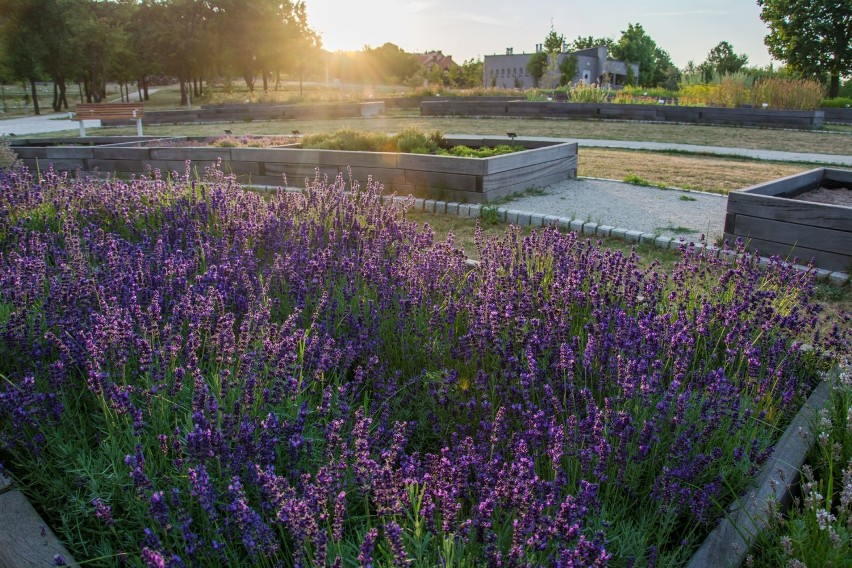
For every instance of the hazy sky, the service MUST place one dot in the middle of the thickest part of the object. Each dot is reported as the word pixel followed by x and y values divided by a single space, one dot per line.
pixel 468 29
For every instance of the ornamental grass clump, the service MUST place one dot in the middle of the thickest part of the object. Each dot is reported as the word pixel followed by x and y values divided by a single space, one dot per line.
pixel 195 374
pixel 788 93
pixel 583 92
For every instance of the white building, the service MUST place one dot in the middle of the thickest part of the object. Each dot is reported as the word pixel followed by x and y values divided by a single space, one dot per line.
pixel 593 66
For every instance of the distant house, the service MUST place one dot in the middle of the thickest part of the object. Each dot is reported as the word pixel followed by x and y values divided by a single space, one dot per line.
pixel 433 58
pixel 593 66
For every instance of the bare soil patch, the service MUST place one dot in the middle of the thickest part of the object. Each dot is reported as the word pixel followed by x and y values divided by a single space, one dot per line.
pixel 831 196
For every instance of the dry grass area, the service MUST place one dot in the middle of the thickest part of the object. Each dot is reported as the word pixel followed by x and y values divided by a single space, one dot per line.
pixel 756 138
pixel 705 173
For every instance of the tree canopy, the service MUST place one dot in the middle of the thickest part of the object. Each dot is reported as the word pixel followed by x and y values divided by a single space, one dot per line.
pixel 636 46
pixel 90 41
pixel 722 60
pixel 536 66
pixel 589 42
pixel 812 36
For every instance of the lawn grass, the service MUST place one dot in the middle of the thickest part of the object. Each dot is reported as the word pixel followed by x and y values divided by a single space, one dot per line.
pixel 703 173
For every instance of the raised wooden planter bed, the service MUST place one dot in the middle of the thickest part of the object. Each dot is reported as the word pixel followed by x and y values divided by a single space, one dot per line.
pixel 776 218
pixel 273 111
pixel 662 113
pixel 467 180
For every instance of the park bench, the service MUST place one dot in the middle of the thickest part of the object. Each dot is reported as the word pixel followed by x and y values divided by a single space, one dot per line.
pixel 109 111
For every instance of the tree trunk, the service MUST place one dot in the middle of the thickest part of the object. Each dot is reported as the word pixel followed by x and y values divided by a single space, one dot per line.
pixel 35 97
pixel 80 90
pixel 139 89
pixel 265 81
pixel 248 76
pixel 145 86
pixel 834 87
pixel 184 100
pixel 55 103
pixel 87 84
pixel 63 95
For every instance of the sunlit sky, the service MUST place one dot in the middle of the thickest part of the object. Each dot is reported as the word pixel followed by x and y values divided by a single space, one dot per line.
pixel 471 29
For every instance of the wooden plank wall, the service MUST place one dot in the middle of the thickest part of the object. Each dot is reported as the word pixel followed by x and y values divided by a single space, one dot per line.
pixel 470 180
pixel 775 224
pixel 663 113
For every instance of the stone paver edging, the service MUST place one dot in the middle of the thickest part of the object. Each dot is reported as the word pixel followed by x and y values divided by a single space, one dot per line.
pixel 526 219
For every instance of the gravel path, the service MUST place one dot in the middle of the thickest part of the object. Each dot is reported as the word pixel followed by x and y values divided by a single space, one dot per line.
pixel 665 212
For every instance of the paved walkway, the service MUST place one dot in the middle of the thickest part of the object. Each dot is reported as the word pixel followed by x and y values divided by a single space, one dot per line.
pixel 54 122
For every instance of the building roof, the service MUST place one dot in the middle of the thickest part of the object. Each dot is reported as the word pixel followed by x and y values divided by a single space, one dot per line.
pixel 432 58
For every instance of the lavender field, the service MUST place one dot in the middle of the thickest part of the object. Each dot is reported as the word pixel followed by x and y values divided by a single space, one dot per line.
pixel 194 374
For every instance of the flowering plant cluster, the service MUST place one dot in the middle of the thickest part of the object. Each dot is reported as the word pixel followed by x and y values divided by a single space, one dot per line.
pixel 817 531
pixel 196 374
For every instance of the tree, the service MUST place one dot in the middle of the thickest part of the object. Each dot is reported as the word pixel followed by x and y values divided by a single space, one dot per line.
pixel 812 36
pixel 389 64
pixel 304 45
pixel 722 60
pixel 568 69
pixel 469 73
pixel 589 42
pixel 635 46
pixel 664 69
pixel 553 42
pixel 553 45
pixel 23 45
pixel 536 66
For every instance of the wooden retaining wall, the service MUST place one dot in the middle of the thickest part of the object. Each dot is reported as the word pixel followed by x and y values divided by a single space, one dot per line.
pixel 837 115
pixel 660 113
pixel 769 221
pixel 249 112
pixel 471 180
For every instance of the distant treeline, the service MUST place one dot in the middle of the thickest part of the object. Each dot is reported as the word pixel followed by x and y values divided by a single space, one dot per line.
pixel 86 43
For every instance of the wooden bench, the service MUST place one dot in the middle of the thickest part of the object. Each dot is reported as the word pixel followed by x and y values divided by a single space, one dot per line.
pixel 109 111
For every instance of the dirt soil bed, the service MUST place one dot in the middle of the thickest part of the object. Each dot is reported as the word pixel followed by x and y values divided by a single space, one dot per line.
pixel 838 196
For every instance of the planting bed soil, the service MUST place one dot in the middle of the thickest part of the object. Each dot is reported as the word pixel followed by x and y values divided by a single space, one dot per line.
pixel 806 216
pixel 832 196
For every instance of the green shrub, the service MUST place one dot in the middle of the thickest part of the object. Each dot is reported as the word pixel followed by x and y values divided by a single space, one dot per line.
pixel 409 141
pixel 485 152
pixel 347 139
pixel 839 102
pixel 414 141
